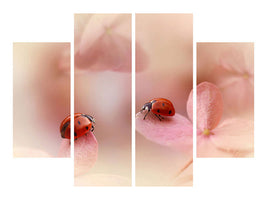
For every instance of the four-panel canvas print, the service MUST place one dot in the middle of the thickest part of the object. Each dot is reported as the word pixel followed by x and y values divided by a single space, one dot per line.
pixel 164 119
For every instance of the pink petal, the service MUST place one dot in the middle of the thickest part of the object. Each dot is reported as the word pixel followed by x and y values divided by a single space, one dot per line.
pixel 175 131
pixel 239 97
pixel 209 106
pixel 234 136
pixel 233 61
pixel 106 43
pixel 189 106
pixel 227 81
pixel 101 180
pixel 85 153
pixel 206 148
pixel 64 150
pixel 23 152
pixel 185 178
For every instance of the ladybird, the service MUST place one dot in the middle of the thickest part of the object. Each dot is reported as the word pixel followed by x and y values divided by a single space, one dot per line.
pixel 160 107
pixel 82 125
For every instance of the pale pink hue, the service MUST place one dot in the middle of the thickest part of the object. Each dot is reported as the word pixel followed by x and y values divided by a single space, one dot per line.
pixel 209 113
pixel 232 137
pixel 64 149
pixel 185 178
pixel 235 77
pixel 23 152
pixel 175 131
pixel 104 43
pixel 85 152
pixel 101 180
pixel 64 61
pixel 238 62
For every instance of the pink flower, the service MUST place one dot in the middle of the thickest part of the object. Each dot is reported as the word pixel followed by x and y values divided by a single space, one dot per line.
pixel 232 137
pixel 234 76
pixel 103 42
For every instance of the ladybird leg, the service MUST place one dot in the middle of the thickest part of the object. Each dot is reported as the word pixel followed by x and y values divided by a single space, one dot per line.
pixel 158 116
pixel 146 114
pixel 161 117
pixel 92 129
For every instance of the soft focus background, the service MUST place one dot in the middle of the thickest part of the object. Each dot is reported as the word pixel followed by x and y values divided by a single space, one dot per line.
pixel 106 95
pixel 230 66
pixel 41 97
pixel 167 40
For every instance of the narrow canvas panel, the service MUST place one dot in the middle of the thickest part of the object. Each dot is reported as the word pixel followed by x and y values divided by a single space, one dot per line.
pixel 164 79
pixel 41 98
pixel 225 99
pixel 102 99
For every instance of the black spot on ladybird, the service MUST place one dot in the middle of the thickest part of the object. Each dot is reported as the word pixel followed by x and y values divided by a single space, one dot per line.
pixel 158 111
pixel 87 127
pixel 79 122
pixel 170 112
pixel 163 104
pixel 75 134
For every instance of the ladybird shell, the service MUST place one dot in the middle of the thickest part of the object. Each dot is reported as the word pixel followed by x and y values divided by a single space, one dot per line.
pixel 161 106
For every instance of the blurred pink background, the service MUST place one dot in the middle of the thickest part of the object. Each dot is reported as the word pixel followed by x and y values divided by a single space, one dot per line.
pixel 41 97
pixel 230 66
pixel 167 40
pixel 105 95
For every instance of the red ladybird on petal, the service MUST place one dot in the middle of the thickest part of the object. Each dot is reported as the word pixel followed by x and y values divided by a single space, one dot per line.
pixel 160 107
pixel 83 123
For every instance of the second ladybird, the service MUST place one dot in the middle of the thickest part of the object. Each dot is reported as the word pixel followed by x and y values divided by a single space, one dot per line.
pixel 160 107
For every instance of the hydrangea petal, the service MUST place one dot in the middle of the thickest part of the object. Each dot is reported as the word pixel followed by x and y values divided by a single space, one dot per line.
pixel 227 82
pixel 85 153
pixel 239 97
pixel 233 61
pixel 189 106
pixel 234 136
pixel 209 106
pixel 106 43
pixel 206 149
pixel 64 150
pixel 185 178
pixel 175 131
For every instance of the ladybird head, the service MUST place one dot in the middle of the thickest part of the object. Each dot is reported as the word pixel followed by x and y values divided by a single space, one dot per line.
pixel 147 106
